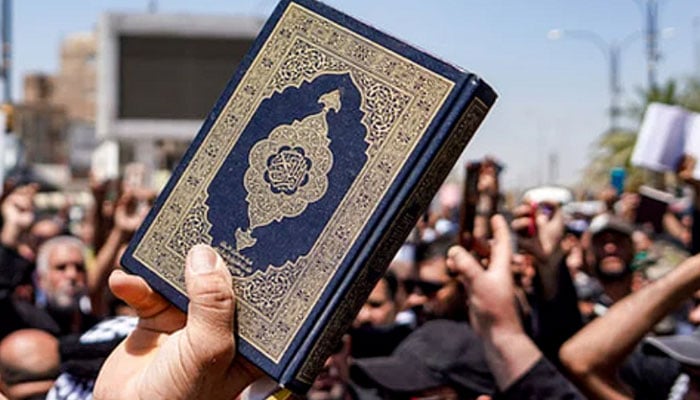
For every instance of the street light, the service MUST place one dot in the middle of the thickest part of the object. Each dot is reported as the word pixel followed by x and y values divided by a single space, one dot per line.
pixel 611 51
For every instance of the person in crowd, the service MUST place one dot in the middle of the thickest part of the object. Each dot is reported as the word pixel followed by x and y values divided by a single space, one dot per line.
pixel 604 359
pixel 62 284
pixel 44 227
pixel 380 308
pixel 549 306
pixel 375 331
pixel 435 294
pixel 441 359
pixel 333 382
pixel 17 211
pixel 129 211
pixel 160 358
pixel 611 253
pixel 29 364
pixel 16 287
pixel 82 356
pixel 518 366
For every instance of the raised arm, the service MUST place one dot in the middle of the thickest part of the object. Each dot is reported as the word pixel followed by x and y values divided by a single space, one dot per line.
pixel 594 355
pixel 516 363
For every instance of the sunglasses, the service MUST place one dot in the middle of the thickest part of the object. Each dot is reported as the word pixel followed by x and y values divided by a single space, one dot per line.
pixel 427 288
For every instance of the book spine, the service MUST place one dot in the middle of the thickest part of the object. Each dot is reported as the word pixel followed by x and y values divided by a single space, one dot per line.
pixel 457 130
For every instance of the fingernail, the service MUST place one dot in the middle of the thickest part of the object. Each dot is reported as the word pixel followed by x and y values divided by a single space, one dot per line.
pixel 202 259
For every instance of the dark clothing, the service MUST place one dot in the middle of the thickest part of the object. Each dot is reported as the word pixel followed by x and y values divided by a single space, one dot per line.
pixel 17 314
pixel 542 381
pixel 371 341
pixel 649 376
pixel 23 315
pixel 695 232
pixel 14 269
pixel 555 314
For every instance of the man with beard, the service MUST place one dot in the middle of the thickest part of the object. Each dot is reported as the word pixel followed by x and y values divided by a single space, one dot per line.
pixel 62 284
pixel 611 255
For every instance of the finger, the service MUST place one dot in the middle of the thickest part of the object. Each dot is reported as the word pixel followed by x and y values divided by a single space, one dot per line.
pixel 211 309
pixel 557 217
pixel 154 312
pixel 520 224
pixel 460 261
pixel 125 199
pixel 137 294
pixel 23 198
pixel 522 210
pixel 501 250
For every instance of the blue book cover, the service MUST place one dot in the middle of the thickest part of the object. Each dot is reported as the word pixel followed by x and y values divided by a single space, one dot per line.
pixel 323 150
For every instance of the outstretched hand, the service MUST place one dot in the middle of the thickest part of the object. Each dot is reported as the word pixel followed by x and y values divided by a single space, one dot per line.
pixel 130 211
pixel 491 297
pixel 547 228
pixel 17 214
pixel 171 355
pixel 491 291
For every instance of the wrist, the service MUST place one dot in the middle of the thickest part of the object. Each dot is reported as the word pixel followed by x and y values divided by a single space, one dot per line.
pixel 9 236
pixel 510 354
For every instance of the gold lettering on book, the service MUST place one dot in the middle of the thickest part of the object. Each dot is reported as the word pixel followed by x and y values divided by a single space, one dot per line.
pixel 288 170
pixel 238 264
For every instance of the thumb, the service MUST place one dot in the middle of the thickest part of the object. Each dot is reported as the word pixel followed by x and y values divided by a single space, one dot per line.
pixel 212 305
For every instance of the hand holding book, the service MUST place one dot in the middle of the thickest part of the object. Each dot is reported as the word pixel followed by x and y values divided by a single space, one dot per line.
pixel 171 355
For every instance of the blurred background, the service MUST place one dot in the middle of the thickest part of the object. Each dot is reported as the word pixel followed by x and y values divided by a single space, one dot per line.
pixel 123 86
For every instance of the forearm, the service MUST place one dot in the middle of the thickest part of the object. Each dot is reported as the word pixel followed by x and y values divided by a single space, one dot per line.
pixel 599 349
pixel 97 276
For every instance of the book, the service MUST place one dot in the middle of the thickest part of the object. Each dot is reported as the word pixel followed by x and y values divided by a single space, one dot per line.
pixel 661 138
pixel 324 148
pixel 692 141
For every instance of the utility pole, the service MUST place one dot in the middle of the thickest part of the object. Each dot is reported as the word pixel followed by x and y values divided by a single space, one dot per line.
pixel 651 32
pixel 696 44
pixel 652 39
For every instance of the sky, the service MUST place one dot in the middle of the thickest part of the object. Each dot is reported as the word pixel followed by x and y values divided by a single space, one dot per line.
pixel 553 94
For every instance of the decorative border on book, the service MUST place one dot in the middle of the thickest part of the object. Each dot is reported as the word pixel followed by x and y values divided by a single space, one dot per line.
pixel 399 99
pixel 418 200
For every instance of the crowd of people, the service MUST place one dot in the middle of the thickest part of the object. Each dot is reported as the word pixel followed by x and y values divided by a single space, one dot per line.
pixel 549 297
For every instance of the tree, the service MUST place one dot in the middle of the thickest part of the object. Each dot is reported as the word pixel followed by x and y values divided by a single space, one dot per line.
pixel 614 149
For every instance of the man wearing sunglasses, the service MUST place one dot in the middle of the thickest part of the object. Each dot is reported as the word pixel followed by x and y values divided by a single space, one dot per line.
pixel 435 293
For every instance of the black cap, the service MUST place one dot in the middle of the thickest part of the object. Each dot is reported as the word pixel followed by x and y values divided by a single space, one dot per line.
pixel 683 348
pixel 440 353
